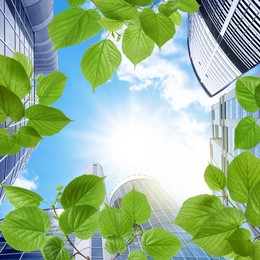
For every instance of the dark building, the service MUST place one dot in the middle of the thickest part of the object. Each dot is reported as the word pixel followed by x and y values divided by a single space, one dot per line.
pixel 24 28
pixel 223 41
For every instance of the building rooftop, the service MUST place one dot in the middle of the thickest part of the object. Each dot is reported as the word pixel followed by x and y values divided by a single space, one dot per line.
pixel 40 13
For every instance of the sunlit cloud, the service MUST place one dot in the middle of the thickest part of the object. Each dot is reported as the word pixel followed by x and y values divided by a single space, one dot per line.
pixel 25 181
pixel 142 139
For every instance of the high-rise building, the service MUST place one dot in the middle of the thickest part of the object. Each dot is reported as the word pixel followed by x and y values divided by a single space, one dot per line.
pixel 163 212
pixel 223 41
pixel 24 29
pixel 225 116
pixel 95 246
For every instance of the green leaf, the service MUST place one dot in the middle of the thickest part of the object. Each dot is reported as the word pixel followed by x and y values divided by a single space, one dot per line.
pixel 240 242
pixel 166 9
pixel 110 25
pixel 115 244
pixel 139 2
pixel 59 188
pixel 157 26
pixel 11 105
pixel 256 250
pixel 24 228
pixel 242 175
pixel 46 120
pixel 136 45
pixel 137 255
pixel 77 26
pixel 215 178
pixel 243 258
pixel 84 190
pixel 8 144
pixel 51 88
pixel 136 206
pixel 100 61
pixel 190 6
pixel 216 229
pixel 25 62
pixel 160 244
pixel 14 77
pixel 20 197
pixel 246 92
pixel 75 3
pixel 257 95
pixel 39 77
pixel 196 210
pixel 82 220
pixel 176 18
pixel 113 222
pixel 116 9
pixel 253 206
pixel 27 136
pixel 54 249
pixel 3 116
pixel 247 133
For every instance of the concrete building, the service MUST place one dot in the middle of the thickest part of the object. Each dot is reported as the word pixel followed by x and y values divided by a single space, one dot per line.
pixel 24 28
pixel 223 41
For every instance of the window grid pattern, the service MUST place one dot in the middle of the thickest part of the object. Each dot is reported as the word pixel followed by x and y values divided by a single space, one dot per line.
pixel 7 252
pixel 97 247
pixel 164 211
pixel 243 32
pixel 214 68
pixel 217 11
pixel 15 35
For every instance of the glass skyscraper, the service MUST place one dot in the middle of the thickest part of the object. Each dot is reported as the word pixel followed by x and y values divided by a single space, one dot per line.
pixel 164 211
pixel 24 29
pixel 223 41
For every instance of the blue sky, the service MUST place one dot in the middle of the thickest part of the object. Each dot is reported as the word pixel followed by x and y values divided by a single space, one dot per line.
pixel 151 120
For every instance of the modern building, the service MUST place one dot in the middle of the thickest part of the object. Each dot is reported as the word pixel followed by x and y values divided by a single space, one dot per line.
pixel 225 116
pixel 95 246
pixel 24 28
pixel 223 41
pixel 164 211
pixel 7 252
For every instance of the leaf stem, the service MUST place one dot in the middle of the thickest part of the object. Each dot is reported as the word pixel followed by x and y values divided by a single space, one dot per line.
pixel 78 252
pixel 57 216
pixel 155 3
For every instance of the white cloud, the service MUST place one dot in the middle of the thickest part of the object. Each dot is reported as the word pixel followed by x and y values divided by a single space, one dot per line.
pixel 171 147
pixel 24 181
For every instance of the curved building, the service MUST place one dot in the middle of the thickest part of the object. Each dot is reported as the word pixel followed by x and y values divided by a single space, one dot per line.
pixel 223 41
pixel 164 211
pixel 24 29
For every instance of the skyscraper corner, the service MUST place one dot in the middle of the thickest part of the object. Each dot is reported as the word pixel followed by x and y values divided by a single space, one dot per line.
pixel 223 41
pixel 24 29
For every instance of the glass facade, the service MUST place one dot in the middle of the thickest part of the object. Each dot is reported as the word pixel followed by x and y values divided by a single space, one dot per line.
pixel 19 32
pixel 223 41
pixel 164 211
pixel 7 252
